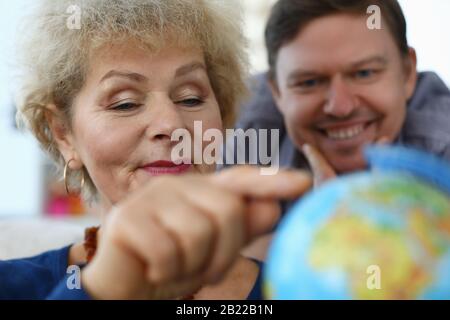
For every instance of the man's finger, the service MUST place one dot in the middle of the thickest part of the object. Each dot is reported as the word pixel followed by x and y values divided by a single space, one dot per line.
pixel 322 170
pixel 383 140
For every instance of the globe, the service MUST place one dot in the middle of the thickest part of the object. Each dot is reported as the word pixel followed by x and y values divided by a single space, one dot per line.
pixel 379 234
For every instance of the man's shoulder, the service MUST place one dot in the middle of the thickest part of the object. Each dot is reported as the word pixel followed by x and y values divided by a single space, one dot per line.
pixel 259 110
pixel 427 122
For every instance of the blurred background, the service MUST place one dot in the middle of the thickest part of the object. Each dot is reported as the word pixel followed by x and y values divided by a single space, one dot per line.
pixel 28 187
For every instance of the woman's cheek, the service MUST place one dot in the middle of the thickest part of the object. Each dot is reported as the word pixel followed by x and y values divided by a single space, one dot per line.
pixel 105 153
pixel 209 119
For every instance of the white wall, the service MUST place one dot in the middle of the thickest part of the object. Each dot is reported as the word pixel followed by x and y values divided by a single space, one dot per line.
pixel 429 32
pixel 20 174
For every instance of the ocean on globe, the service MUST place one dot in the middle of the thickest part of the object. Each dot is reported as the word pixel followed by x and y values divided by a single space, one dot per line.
pixel 379 234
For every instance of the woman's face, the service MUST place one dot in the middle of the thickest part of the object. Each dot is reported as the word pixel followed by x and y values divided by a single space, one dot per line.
pixel 124 116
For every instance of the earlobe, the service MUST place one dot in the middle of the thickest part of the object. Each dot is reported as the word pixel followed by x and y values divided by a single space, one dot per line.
pixel 411 73
pixel 62 136
pixel 55 123
pixel 274 89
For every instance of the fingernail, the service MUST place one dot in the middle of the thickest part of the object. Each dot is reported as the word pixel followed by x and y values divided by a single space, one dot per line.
pixel 305 148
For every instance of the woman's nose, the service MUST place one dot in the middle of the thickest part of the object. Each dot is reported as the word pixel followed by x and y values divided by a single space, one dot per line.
pixel 165 118
pixel 341 102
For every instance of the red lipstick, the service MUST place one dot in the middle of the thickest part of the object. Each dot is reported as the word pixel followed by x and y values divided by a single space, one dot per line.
pixel 161 167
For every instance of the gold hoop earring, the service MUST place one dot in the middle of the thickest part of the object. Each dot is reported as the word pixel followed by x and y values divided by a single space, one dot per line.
pixel 66 168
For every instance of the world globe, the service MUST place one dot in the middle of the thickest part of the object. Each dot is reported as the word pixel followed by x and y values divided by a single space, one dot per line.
pixel 379 234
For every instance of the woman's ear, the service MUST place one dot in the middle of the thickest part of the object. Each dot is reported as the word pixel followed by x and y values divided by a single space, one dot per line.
pixel 410 65
pixel 62 136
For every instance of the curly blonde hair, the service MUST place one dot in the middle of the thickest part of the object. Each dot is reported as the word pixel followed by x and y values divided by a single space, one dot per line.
pixel 56 57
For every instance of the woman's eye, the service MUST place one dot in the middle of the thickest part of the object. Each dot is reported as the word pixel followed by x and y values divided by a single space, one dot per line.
pixel 125 106
pixel 192 102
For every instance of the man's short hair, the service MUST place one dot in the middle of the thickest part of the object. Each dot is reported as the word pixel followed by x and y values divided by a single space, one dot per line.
pixel 289 17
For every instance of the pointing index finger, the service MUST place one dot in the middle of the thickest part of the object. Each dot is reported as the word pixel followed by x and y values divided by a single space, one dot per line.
pixel 247 181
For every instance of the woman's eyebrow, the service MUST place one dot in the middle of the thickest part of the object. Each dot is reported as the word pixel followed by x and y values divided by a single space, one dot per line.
pixel 188 68
pixel 136 77
pixel 133 76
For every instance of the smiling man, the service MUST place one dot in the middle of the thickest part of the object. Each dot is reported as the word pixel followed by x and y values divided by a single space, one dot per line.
pixel 335 85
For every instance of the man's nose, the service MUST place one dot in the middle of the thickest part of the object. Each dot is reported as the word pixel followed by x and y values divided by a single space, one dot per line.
pixel 165 117
pixel 341 102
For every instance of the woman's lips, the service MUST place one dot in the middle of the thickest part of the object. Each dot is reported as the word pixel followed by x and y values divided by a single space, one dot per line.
pixel 162 167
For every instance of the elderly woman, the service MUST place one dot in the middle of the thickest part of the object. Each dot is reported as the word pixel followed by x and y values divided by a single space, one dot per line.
pixel 103 100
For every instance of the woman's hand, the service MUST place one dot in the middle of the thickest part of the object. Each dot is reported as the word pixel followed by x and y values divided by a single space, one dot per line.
pixel 177 234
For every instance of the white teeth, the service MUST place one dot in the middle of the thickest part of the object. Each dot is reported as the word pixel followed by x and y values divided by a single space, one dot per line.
pixel 347 133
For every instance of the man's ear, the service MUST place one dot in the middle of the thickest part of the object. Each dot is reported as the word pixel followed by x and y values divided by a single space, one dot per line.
pixel 275 90
pixel 63 137
pixel 410 66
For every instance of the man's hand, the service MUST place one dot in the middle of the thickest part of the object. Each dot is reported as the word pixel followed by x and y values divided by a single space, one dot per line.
pixel 322 171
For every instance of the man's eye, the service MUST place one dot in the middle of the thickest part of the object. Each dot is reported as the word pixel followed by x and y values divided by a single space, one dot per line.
pixel 310 83
pixel 125 106
pixel 364 74
pixel 192 102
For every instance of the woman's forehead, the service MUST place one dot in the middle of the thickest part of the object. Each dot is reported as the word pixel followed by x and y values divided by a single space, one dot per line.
pixel 127 56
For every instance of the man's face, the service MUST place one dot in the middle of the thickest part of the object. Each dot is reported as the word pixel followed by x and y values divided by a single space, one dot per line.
pixel 341 86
